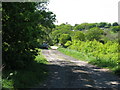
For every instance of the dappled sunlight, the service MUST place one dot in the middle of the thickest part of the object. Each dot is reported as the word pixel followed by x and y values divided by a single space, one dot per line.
pixel 77 71
pixel 64 73
pixel 72 76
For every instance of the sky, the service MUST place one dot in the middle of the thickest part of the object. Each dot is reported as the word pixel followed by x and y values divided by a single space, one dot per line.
pixel 81 11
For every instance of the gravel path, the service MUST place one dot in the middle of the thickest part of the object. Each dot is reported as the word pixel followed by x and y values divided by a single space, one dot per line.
pixel 67 72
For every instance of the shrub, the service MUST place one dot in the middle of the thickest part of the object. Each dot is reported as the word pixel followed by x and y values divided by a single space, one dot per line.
pixel 105 54
pixel 94 33
pixel 64 38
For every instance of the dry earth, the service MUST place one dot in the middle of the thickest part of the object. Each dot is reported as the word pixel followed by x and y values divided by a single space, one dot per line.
pixel 67 72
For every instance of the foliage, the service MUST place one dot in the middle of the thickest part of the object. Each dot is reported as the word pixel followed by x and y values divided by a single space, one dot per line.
pixel 64 27
pixel 21 32
pixel 102 55
pixel 73 53
pixel 45 36
pixel 85 26
pixel 105 54
pixel 109 35
pixel 115 24
pixel 59 30
pixel 78 35
pixel 82 26
pixel 95 42
pixel 89 31
pixel 33 74
pixel 108 25
pixel 79 27
pixel 101 24
pixel 115 29
pixel 94 33
pixel 64 38
pixel 68 43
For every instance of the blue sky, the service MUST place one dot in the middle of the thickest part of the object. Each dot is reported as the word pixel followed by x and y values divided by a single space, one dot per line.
pixel 80 11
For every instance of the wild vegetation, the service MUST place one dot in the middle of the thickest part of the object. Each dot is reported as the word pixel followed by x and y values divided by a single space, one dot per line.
pixel 28 77
pixel 96 43
pixel 25 25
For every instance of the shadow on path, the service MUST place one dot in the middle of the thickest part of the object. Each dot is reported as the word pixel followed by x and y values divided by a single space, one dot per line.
pixel 66 72
pixel 78 77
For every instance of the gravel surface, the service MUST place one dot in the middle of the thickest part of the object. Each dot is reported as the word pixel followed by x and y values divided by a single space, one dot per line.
pixel 67 72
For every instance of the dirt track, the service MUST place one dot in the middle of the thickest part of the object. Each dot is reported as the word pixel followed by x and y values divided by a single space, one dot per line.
pixel 67 72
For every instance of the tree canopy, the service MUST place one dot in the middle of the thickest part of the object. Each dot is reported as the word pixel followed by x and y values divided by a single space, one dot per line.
pixel 23 25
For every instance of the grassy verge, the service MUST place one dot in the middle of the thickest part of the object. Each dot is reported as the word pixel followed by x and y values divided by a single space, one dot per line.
pixel 35 73
pixel 73 53
pixel 92 60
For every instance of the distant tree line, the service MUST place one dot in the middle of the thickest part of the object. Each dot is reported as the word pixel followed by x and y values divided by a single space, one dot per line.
pixel 101 32
pixel 99 42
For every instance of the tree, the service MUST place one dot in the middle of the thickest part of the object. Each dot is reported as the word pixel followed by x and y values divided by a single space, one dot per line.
pixel 64 38
pixel 76 25
pixel 94 33
pixel 91 25
pixel 115 28
pixel 21 30
pixel 115 24
pixel 64 27
pixel 55 36
pixel 59 30
pixel 79 27
pixel 102 24
pixel 78 35
pixel 108 25
pixel 84 26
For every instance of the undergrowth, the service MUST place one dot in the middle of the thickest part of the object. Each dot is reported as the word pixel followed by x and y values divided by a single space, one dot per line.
pixel 28 77
pixel 103 63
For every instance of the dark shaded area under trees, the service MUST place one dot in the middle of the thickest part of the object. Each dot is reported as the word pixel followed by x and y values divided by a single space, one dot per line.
pixel 25 26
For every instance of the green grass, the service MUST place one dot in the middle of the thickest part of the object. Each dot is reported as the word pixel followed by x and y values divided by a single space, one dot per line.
pixel 73 53
pixel 30 76
pixel 92 60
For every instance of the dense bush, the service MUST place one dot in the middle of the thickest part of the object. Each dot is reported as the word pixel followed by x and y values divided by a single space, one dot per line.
pixel 115 24
pixel 28 77
pixel 25 25
pixel 68 43
pixel 78 35
pixel 106 54
pixel 64 38
pixel 21 28
pixel 96 41
pixel 85 26
pixel 115 29
pixel 59 30
pixel 94 33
